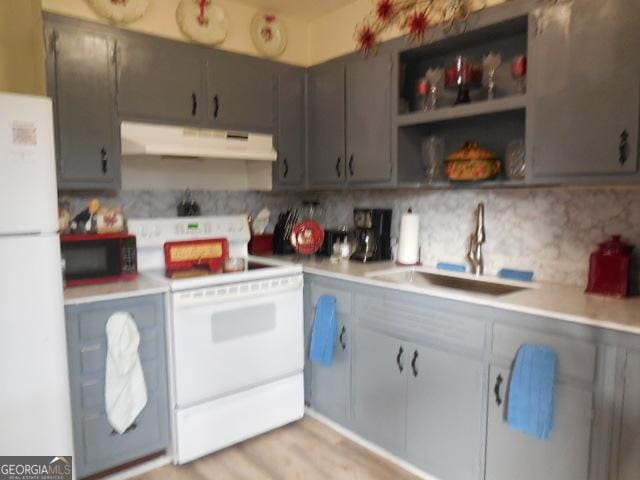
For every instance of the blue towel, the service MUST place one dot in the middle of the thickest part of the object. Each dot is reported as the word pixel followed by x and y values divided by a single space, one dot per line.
pixel 324 332
pixel 511 274
pixel 531 393
pixel 452 267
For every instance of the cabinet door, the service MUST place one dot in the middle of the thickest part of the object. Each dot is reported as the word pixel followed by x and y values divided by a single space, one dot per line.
pixel 327 165
pixel 368 109
pixel 444 413
pixel 161 81
pixel 628 455
pixel 330 386
pixel 290 133
pixel 564 456
pixel 240 92
pixel 81 81
pixel 585 83
pixel 380 388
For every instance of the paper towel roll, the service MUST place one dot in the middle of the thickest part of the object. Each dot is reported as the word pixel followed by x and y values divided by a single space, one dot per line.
pixel 408 245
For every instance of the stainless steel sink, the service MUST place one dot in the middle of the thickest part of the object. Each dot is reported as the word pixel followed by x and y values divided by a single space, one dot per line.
pixel 422 277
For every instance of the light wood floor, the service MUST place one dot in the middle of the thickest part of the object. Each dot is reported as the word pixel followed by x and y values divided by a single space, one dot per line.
pixel 306 450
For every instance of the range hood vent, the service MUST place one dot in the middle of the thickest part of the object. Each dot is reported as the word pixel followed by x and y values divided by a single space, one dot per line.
pixel 167 141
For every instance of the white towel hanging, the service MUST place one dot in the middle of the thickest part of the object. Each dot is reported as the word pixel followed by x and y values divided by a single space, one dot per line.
pixel 125 389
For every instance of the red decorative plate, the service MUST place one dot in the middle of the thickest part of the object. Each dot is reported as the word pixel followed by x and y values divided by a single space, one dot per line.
pixel 307 237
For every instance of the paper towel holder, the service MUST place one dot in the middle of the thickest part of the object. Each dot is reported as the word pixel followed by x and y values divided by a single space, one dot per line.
pixel 409 240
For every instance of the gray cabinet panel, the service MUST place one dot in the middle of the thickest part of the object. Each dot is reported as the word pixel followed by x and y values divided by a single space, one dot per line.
pixel 240 92
pixel 585 82
pixel 160 80
pixel 326 114
pixel 330 386
pixel 564 456
pixel 368 111
pixel 629 452
pixel 290 167
pixel 444 413
pixel 81 81
pixel 97 447
pixel 380 388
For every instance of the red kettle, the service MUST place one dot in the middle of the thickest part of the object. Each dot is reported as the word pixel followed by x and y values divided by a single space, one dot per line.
pixel 609 268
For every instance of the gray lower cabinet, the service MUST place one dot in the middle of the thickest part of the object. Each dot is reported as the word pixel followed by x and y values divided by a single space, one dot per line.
pixel 585 86
pixel 564 456
pixel 97 446
pixel 368 124
pixel 628 458
pixel 290 168
pixel 240 92
pixel 380 388
pixel 160 80
pixel 445 413
pixel 326 133
pixel 81 82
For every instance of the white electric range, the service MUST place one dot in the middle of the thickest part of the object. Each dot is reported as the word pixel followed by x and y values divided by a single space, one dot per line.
pixel 234 340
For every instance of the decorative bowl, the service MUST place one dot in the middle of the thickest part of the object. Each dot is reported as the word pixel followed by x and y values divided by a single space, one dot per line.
pixel 472 163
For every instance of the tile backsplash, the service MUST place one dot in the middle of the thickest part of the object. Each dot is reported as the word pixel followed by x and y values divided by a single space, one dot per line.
pixel 551 231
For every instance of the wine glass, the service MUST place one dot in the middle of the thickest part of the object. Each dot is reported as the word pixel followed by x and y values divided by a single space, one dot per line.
pixel 491 62
pixel 432 157
pixel 515 159
pixel 519 72
pixel 433 77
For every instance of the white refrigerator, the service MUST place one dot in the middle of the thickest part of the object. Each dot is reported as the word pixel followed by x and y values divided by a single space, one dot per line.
pixel 35 411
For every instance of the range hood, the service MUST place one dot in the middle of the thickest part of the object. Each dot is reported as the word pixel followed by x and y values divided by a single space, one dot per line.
pixel 145 139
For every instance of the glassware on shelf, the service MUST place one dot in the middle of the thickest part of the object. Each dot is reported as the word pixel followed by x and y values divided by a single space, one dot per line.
pixel 519 72
pixel 491 62
pixel 433 78
pixel 432 157
pixel 515 159
pixel 462 75
pixel 423 94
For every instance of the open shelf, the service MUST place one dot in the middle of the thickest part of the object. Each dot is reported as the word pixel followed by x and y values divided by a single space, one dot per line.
pixel 486 107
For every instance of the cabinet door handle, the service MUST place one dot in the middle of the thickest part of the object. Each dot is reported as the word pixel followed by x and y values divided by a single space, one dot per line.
pixel 216 106
pixel 496 390
pixel 104 159
pixel 338 162
pixel 286 167
pixel 132 427
pixel 194 104
pixel 399 359
pixel 351 165
pixel 342 332
pixel 413 363
pixel 624 147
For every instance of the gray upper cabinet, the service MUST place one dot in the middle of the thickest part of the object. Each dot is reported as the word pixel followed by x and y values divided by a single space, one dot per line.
pixel 564 456
pixel 381 363
pixel 290 167
pixel 628 459
pixel 444 413
pixel 240 92
pixel 586 86
pixel 368 125
pixel 326 103
pixel 160 80
pixel 80 79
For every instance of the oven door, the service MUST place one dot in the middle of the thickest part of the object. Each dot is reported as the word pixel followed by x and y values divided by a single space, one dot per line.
pixel 233 337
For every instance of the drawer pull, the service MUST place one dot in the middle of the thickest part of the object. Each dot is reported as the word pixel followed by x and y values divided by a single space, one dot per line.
pixel 351 165
pixel 399 359
pixel 413 363
pixel 338 162
pixel 194 104
pixel 216 106
pixel 286 168
pixel 131 428
pixel 496 390
pixel 624 147
pixel 342 332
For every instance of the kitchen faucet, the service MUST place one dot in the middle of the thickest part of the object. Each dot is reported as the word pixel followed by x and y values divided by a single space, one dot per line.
pixel 476 239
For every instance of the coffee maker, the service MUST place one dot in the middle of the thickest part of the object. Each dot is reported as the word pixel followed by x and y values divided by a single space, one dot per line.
pixel 373 234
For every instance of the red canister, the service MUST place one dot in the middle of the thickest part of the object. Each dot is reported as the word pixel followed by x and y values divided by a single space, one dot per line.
pixel 609 268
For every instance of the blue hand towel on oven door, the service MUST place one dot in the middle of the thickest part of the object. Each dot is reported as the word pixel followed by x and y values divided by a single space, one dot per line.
pixel 324 332
pixel 532 391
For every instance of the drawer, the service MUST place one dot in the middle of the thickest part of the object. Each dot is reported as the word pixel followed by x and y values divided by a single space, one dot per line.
pixel 576 358
pixel 343 298
pixel 92 321
pixel 92 390
pixel 104 448
pixel 93 356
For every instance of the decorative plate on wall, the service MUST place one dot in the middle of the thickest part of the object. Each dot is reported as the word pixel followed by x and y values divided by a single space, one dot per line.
pixel 202 21
pixel 268 34
pixel 120 11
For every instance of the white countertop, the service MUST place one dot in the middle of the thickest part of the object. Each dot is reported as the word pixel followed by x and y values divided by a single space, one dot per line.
pixel 562 302
pixel 143 285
